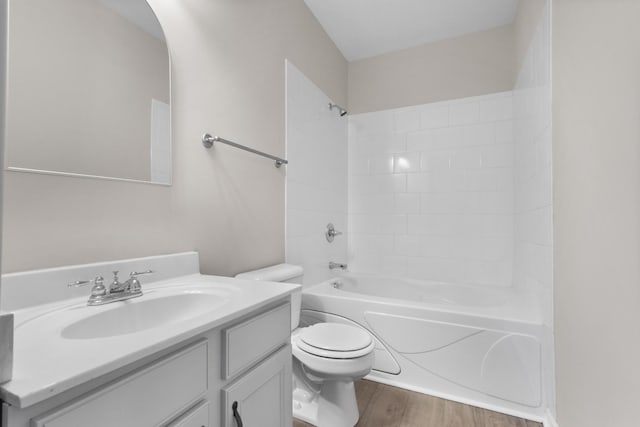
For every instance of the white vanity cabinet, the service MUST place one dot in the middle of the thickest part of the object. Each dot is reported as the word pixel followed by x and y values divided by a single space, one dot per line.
pixel 245 360
pixel 152 396
pixel 261 396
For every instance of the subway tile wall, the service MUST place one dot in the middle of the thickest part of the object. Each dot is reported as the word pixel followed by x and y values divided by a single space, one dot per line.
pixel 456 191
pixel 316 181
pixel 533 268
pixel 431 191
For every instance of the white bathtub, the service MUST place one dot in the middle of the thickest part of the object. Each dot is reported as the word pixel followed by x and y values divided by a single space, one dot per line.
pixel 476 345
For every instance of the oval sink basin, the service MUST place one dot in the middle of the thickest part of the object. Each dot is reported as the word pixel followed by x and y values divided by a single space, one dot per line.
pixel 139 314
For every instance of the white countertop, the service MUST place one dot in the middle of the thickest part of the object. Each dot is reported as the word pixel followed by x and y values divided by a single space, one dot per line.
pixel 46 364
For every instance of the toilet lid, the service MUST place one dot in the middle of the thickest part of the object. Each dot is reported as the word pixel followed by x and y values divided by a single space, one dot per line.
pixel 335 340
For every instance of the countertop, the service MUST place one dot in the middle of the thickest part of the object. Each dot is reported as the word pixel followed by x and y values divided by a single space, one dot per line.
pixel 46 363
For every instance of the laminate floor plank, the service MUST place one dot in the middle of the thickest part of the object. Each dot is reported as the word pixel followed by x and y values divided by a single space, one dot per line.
pixel 364 392
pixel 458 415
pixel 497 419
pixel 298 423
pixel 386 407
pixel 381 405
pixel 423 411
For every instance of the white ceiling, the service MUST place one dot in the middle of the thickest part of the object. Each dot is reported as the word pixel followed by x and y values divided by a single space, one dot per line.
pixel 364 28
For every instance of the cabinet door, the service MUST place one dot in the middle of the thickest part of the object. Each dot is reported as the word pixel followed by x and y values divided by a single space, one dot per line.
pixel 246 343
pixel 261 397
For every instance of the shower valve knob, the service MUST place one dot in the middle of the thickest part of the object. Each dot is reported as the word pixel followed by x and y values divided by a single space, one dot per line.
pixel 331 232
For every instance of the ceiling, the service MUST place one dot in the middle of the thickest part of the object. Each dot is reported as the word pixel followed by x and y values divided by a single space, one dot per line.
pixel 364 28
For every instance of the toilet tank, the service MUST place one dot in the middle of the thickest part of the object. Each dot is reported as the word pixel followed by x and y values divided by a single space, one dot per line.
pixel 288 273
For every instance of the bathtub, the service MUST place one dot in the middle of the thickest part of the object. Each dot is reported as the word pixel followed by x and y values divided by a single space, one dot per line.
pixel 477 345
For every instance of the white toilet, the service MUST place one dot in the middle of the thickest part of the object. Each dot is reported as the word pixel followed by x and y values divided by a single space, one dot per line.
pixel 327 358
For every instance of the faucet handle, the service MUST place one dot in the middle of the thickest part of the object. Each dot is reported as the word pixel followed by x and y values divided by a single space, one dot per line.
pixel 98 287
pixel 97 280
pixel 140 273
pixel 134 283
pixel 78 283
pixel 331 232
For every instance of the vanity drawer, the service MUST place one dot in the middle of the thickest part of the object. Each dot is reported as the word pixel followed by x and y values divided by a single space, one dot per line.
pixel 248 342
pixel 149 397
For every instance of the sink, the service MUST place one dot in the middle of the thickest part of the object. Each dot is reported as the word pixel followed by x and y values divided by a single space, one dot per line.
pixel 146 312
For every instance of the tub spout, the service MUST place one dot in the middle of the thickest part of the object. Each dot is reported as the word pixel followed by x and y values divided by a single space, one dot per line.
pixel 336 265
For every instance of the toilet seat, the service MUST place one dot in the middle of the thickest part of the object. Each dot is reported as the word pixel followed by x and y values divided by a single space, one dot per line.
pixel 334 341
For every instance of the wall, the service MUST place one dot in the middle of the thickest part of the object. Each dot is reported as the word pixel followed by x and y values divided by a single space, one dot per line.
pixel 525 26
pixel 3 87
pixel 533 239
pixel 476 64
pixel 228 79
pixel 596 105
pixel 89 94
pixel 316 178
pixel 6 320
pixel 533 174
pixel 431 191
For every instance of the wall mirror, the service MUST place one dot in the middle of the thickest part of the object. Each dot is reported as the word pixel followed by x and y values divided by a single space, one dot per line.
pixel 88 90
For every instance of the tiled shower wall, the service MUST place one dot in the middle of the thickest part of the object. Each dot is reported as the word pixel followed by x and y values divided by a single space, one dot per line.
pixel 316 180
pixel 456 191
pixel 533 268
pixel 431 191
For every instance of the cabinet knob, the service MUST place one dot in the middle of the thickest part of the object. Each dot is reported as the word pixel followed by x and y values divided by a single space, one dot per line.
pixel 236 415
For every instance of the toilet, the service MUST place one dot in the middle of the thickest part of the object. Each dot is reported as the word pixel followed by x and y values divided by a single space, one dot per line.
pixel 327 359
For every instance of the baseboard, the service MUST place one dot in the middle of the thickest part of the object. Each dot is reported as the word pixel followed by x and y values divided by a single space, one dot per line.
pixel 549 420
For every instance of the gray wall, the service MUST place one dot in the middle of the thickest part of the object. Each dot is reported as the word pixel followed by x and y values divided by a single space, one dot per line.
pixel 596 110
pixel 6 320
pixel 474 64
pixel 3 69
pixel 525 24
pixel 228 78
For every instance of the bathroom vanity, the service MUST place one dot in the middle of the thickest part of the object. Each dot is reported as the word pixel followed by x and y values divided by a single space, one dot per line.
pixel 194 350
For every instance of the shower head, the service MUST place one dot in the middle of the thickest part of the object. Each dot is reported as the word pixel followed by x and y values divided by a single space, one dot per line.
pixel 341 110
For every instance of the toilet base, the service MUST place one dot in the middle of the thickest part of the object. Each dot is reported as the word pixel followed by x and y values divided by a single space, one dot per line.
pixel 334 405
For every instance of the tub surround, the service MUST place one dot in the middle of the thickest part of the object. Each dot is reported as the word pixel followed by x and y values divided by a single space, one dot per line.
pixel 68 363
pixel 534 206
pixel 509 304
pixel 440 342
pixel 431 191
pixel 316 178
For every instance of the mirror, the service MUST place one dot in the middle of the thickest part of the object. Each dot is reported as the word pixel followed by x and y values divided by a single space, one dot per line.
pixel 88 90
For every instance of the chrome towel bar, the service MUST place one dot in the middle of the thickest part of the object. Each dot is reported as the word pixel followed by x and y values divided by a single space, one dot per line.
pixel 208 140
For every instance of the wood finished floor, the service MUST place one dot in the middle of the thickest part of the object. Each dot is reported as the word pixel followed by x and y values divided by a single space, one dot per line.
pixel 381 405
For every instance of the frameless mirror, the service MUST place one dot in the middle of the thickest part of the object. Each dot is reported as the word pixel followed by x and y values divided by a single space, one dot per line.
pixel 88 90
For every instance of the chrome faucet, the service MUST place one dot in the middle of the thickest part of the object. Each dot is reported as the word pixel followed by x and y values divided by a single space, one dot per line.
pixel 117 291
pixel 336 265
